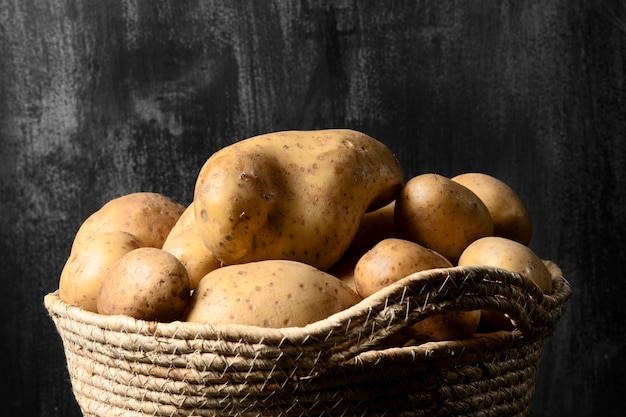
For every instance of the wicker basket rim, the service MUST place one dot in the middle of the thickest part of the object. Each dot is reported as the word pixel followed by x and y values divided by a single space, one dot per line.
pixel 316 330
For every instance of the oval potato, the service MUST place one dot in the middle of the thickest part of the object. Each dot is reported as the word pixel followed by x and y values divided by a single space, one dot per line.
pixel 148 216
pixel 271 293
pixel 393 259
pixel 185 243
pixel 440 214
pixel 510 216
pixel 87 266
pixel 147 284
pixel 508 254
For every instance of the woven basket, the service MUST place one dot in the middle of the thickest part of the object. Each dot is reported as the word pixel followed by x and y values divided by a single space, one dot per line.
pixel 335 367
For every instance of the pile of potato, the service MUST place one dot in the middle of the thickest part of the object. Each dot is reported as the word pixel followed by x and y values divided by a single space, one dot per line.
pixel 288 228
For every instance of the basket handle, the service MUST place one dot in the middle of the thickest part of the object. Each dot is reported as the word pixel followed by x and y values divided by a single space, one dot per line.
pixel 427 293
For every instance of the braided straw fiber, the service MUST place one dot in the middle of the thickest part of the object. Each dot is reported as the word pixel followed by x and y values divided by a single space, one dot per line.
pixel 120 366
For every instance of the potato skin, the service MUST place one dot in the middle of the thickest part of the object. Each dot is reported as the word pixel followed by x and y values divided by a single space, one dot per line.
pixel 393 259
pixel 148 216
pixel 510 216
pixel 185 243
pixel 440 214
pixel 297 195
pixel 270 293
pixel 147 284
pixel 451 325
pixel 89 263
pixel 510 255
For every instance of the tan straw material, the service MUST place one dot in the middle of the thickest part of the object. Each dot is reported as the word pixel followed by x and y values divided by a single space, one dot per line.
pixel 120 366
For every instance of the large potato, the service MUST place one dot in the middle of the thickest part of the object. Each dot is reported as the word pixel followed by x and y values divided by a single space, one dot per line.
pixel 271 293
pixel 89 263
pixel 148 216
pixel 511 218
pixel 148 284
pixel 297 195
pixel 393 259
pixel 185 243
pixel 441 214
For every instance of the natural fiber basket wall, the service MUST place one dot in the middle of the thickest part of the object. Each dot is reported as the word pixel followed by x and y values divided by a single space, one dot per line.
pixel 335 367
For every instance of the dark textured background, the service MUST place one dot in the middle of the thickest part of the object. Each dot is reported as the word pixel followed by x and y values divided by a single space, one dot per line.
pixel 102 98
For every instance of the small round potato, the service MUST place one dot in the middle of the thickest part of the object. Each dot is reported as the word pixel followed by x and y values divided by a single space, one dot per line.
pixel 147 284
pixel 185 243
pixel 393 259
pixel 508 254
pixel 511 218
pixel 271 293
pixel 148 216
pixel 441 214
pixel 87 266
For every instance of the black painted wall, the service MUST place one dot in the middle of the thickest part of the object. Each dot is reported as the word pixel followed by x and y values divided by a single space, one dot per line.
pixel 102 98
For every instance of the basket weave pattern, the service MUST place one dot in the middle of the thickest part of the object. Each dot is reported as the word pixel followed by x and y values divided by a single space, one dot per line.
pixel 120 366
